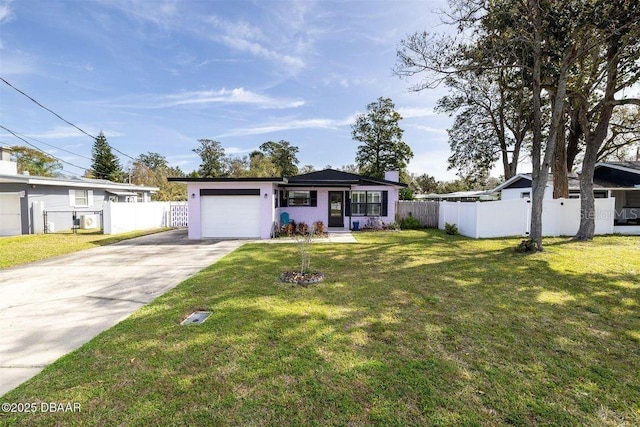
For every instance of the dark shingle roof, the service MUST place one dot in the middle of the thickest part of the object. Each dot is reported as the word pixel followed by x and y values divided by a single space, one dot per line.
pixel 336 177
pixel 628 165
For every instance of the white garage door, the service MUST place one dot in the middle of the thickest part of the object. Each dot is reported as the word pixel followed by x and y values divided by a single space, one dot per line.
pixel 230 216
pixel 10 219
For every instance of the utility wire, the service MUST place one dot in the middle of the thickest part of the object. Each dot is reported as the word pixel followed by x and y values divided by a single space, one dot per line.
pixel 61 170
pixel 30 144
pixel 53 146
pixel 59 116
pixel 49 110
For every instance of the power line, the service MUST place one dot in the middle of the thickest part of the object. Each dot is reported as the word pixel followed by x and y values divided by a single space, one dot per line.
pixel 51 145
pixel 59 116
pixel 49 110
pixel 30 144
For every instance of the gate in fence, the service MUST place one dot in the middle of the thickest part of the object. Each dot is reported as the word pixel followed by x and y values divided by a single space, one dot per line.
pixel 425 211
pixel 72 221
pixel 179 215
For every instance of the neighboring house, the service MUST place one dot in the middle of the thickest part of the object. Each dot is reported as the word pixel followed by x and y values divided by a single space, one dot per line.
pixel 459 196
pixel 249 207
pixel 619 180
pixel 25 198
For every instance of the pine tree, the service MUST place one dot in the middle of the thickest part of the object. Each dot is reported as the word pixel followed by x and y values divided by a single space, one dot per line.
pixel 105 165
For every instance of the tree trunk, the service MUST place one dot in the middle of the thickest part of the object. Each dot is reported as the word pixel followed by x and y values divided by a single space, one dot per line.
pixel 541 166
pixel 559 167
pixel 573 143
pixel 587 201
pixel 535 233
pixel 593 142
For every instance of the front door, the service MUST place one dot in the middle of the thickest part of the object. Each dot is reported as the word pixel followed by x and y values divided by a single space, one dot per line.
pixel 336 209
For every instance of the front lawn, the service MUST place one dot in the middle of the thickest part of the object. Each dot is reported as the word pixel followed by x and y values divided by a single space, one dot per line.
pixel 409 328
pixel 15 250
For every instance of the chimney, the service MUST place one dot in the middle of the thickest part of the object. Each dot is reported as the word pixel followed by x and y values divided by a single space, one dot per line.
pixel 7 166
pixel 392 176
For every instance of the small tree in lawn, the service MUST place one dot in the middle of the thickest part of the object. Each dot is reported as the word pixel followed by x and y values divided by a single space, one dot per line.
pixel 304 244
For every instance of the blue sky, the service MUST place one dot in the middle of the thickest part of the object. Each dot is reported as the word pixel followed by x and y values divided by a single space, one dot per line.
pixel 158 75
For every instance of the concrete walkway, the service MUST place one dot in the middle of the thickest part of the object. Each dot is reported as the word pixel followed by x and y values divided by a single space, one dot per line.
pixel 51 307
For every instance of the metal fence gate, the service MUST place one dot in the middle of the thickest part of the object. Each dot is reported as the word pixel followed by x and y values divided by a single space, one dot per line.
pixel 72 221
pixel 179 214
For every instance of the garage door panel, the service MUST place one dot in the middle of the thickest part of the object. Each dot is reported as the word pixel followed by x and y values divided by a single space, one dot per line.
pixel 230 216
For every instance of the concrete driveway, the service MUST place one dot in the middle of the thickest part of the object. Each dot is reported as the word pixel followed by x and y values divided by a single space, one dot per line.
pixel 51 307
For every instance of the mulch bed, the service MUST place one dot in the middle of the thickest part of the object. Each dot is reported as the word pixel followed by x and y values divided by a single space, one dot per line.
pixel 301 278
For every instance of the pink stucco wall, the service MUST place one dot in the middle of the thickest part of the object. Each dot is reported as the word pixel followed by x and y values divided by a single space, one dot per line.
pixel 310 214
pixel 266 204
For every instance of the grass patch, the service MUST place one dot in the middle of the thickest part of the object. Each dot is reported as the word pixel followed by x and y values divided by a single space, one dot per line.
pixel 15 250
pixel 408 328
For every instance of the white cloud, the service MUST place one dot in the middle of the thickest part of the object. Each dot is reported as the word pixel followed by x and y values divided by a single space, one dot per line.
pixel 238 150
pixel 204 98
pixel 65 132
pixel 6 12
pixel 283 125
pixel 260 51
pixel 161 12
pixel 244 37
pixel 411 112
pixel 429 129
pixel 346 82
pixel 232 96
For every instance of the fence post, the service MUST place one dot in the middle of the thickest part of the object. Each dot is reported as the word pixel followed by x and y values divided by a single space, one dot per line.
pixel 478 220
pixel 39 217
pixel 106 218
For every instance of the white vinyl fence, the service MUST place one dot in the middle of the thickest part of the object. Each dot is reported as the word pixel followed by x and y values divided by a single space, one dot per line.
pixel 560 217
pixel 123 217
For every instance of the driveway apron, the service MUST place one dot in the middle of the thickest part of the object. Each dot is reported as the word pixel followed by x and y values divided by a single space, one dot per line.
pixel 51 307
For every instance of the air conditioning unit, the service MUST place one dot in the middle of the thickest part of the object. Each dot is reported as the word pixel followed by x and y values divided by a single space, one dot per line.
pixel 89 221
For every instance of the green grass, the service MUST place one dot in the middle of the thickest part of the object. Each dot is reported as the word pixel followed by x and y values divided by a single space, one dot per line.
pixel 15 250
pixel 409 328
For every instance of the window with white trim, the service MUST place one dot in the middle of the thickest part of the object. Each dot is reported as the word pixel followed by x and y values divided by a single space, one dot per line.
pixel 80 198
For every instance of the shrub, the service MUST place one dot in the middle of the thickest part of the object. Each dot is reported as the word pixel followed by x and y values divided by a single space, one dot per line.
pixel 290 228
pixel 318 228
pixel 527 245
pixel 392 226
pixel 373 223
pixel 451 229
pixel 303 228
pixel 410 223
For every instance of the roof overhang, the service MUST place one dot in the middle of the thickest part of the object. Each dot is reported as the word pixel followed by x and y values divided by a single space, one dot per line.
pixel 510 181
pixel 618 167
pixel 122 193
pixel 226 179
pixel 61 182
pixel 311 185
